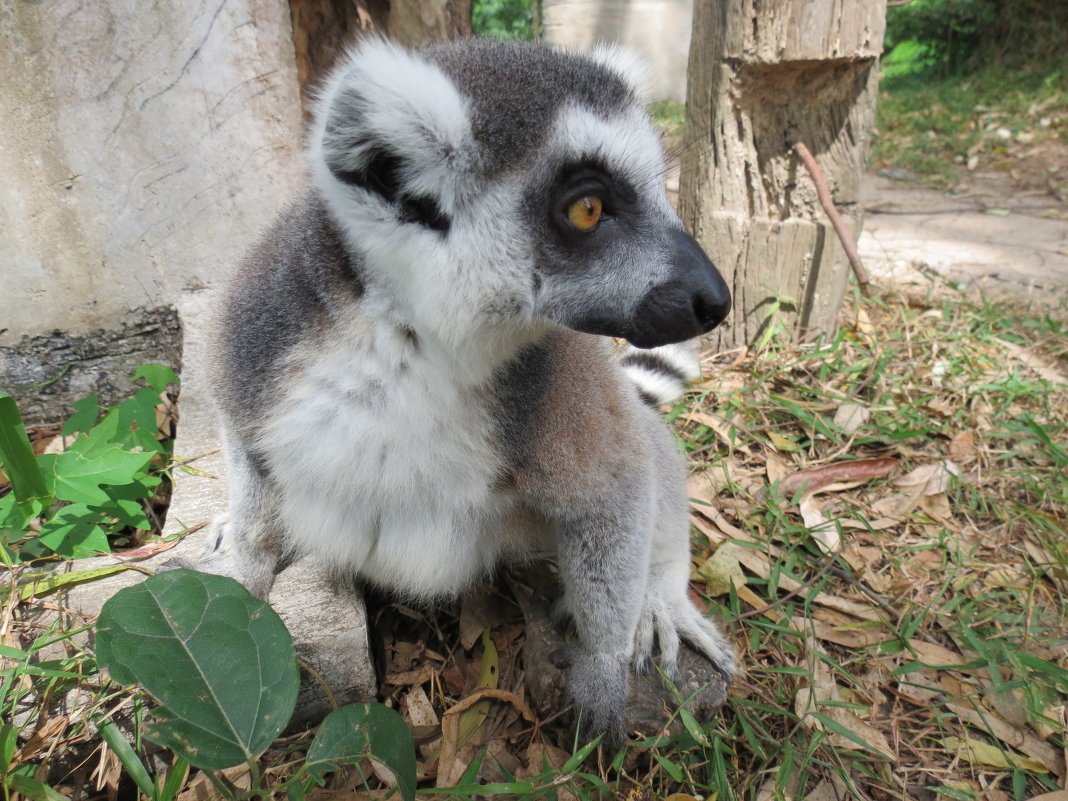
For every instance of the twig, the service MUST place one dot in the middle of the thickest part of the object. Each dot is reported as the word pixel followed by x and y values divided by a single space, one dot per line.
pixel 839 224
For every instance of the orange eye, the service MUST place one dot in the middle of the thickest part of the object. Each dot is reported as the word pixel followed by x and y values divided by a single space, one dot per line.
pixel 585 213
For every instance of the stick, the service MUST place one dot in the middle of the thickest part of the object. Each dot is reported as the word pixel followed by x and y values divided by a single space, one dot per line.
pixel 844 236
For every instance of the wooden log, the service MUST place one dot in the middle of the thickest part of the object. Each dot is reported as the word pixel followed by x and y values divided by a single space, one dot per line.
pixel 762 77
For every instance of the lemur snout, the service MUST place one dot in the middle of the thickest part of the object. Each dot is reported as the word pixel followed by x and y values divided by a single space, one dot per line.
pixel 693 301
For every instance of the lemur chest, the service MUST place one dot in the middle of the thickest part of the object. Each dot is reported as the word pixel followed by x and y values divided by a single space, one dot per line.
pixel 388 463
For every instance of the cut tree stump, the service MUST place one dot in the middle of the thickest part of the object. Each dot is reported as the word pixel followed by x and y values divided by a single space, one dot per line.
pixel 763 77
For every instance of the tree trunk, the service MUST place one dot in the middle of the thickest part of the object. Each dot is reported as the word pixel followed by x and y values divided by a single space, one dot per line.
pixel 323 28
pixel 763 76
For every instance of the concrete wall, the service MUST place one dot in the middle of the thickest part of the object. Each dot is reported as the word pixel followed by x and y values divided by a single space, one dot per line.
pixel 658 29
pixel 143 145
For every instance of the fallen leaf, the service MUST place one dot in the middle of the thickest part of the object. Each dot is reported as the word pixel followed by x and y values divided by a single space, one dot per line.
pixel 850 417
pixel 451 769
pixel 813 705
pixel 722 429
pixel 962 447
pixel 822 530
pixel 1012 736
pixel 1040 366
pixel 981 753
pixel 782 444
pixel 816 478
pixel 722 570
pixel 933 478
pixel 419 710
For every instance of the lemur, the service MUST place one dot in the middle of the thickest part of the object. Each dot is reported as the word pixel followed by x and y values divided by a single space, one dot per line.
pixel 414 366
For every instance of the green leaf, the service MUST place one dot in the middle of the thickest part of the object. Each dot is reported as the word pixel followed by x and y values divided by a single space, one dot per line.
pixel 37 585
pixel 135 768
pixel 16 455
pixel 74 531
pixel 78 473
pixel 85 413
pixel 220 662
pixel 158 376
pixel 358 730
pixel 32 788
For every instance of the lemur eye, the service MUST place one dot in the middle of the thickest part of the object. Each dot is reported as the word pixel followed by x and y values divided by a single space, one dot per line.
pixel 585 213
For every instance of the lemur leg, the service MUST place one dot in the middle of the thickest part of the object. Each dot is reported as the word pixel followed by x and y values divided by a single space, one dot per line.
pixel 603 568
pixel 246 544
pixel 667 610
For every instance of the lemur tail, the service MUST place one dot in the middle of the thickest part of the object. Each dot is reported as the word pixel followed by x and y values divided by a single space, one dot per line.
pixel 661 374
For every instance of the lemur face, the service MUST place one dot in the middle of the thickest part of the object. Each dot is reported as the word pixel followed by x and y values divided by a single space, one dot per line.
pixel 529 184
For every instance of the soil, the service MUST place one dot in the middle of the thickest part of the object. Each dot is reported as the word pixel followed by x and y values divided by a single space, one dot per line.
pixel 1001 226
pixel 999 230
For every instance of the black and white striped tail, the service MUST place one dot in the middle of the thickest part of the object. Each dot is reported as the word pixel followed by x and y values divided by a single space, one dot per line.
pixel 661 374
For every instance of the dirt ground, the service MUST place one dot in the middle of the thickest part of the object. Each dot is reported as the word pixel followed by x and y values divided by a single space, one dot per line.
pixel 1002 231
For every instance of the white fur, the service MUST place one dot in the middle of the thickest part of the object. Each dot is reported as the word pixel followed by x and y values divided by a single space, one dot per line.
pixel 412 106
pixel 389 469
pixel 662 388
pixel 626 63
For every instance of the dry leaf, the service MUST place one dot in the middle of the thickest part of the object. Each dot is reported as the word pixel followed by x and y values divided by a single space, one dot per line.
pixel 201 788
pixel 855 470
pixel 722 570
pixel 935 656
pixel 962 447
pixel 982 753
pixel 1043 368
pixel 850 417
pixel 419 710
pixel 823 531
pixel 933 478
pixel 813 699
pixel 1056 795
pixel 757 562
pixel 719 426
pixel 1012 736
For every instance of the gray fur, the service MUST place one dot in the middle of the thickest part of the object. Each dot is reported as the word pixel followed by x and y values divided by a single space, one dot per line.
pixel 406 389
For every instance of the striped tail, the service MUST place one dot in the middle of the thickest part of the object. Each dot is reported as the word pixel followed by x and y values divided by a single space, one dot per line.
pixel 661 374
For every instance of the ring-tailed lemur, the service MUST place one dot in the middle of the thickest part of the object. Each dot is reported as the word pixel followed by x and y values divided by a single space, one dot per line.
pixel 414 372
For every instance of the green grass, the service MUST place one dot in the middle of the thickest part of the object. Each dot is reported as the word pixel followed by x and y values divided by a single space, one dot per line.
pixel 978 569
pixel 932 125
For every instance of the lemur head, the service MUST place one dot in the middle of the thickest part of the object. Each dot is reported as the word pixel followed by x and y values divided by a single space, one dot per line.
pixel 495 184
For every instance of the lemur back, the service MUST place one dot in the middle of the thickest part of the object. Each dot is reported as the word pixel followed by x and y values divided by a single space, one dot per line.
pixel 415 374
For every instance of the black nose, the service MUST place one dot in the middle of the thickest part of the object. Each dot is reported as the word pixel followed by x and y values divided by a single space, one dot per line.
pixel 691 302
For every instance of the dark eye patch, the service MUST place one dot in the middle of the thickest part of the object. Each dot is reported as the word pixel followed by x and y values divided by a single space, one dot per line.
pixel 588 179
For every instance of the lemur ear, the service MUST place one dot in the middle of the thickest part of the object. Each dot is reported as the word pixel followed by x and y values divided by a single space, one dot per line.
pixel 383 112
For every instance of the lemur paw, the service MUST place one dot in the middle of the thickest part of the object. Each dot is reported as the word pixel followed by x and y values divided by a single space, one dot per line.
pixel 598 687
pixel 220 557
pixel 672 621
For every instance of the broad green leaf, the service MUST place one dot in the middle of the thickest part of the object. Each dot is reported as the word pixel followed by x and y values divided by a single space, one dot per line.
pixel 77 477
pixel 85 413
pixel 139 412
pixel 220 662
pixel 75 532
pixel 131 424
pixel 16 455
pixel 158 376
pixel 358 730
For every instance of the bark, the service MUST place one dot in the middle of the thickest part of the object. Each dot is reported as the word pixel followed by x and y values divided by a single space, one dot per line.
pixel 323 28
pixel 763 76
